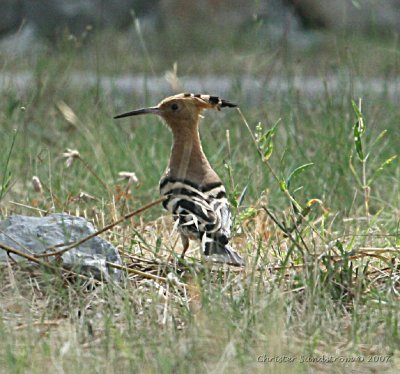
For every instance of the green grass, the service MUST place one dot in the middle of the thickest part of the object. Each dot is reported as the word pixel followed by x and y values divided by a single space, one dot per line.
pixel 300 297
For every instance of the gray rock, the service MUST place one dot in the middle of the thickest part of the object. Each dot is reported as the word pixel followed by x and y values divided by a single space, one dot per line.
pixel 33 235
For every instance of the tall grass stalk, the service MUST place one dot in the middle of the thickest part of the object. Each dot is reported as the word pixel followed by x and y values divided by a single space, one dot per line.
pixel 6 177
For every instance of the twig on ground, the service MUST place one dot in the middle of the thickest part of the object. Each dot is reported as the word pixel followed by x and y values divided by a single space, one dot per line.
pixel 138 272
pixel 106 228
pixel 43 263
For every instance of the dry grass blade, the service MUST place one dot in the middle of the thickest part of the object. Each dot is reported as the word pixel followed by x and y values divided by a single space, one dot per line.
pixel 40 324
pixel 138 272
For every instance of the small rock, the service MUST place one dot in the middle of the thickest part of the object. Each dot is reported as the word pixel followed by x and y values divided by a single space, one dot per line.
pixel 33 235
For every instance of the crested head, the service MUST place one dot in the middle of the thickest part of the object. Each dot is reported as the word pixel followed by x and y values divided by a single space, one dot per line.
pixel 198 101
pixel 184 107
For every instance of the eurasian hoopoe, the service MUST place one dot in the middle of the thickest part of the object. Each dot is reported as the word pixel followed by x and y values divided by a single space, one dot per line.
pixel 195 194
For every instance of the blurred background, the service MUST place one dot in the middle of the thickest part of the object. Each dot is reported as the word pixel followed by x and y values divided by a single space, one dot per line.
pixel 203 36
pixel 66 67
pixel 49 17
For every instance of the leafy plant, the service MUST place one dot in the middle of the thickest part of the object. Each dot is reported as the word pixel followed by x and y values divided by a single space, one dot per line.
pixel 363 180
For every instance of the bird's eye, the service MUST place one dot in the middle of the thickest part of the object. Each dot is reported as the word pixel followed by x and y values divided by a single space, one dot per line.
pixel 174 106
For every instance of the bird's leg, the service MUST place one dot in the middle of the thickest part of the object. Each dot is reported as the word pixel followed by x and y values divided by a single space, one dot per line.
pixel 185 243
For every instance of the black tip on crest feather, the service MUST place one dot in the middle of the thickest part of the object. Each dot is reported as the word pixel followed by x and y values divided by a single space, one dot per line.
pixel 214 100
pixel 227 104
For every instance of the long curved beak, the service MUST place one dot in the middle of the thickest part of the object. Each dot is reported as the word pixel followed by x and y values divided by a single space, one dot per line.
pixel 152 110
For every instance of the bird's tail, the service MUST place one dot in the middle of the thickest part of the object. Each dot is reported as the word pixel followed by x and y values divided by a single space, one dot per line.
pixel 217 249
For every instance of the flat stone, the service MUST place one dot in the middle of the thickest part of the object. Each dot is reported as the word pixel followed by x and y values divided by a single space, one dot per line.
pixel 32 235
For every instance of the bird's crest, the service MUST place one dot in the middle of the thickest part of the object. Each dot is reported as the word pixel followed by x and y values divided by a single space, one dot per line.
pixel 209 100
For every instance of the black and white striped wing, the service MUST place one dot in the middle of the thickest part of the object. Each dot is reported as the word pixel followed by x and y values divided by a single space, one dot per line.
pixel 204 214
pixel 221 208
pixel 190 207
pixel 194 216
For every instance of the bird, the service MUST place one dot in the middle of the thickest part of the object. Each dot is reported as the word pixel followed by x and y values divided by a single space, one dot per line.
pixel 194 192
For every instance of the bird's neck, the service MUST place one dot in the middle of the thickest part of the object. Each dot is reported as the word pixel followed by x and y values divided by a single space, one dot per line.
pixel 188 160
